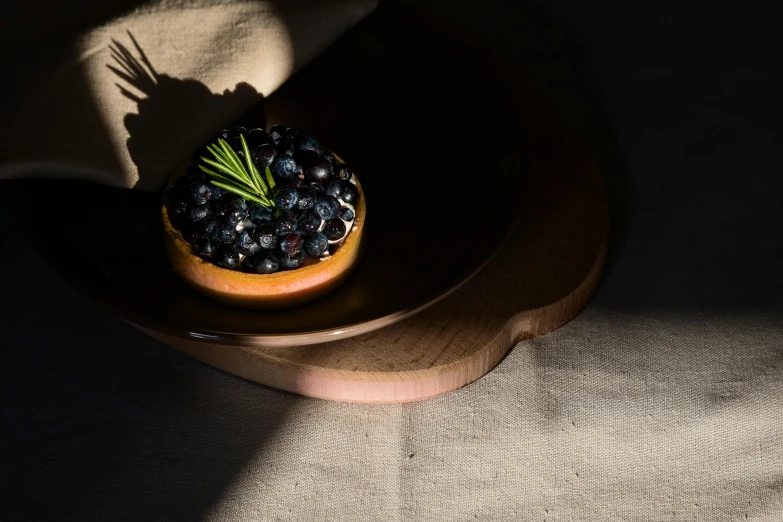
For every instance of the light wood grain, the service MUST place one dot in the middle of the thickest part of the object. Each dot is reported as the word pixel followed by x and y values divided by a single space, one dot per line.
pixel 541 279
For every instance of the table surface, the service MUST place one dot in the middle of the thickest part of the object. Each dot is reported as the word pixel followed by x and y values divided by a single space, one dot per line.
pixel 660 402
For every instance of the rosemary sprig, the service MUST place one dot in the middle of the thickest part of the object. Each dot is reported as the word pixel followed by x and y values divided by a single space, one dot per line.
pixel 243 179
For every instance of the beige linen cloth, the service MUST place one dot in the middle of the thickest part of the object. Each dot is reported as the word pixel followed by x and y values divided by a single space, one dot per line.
pixel 662 401
pixel 124 101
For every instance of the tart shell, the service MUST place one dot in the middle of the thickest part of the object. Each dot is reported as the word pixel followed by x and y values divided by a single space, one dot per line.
pixel 267 291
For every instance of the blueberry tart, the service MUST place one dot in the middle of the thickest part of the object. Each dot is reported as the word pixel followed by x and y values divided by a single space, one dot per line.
pixel 264 219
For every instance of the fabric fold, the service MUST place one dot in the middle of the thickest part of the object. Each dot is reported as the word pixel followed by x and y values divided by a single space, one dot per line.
pixel 133 96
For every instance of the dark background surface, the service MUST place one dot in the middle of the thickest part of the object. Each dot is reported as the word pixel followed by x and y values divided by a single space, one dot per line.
pixel 683 105
pixel 396 139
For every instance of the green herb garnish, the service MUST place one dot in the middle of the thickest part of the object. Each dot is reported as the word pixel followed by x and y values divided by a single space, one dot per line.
pixel 243 179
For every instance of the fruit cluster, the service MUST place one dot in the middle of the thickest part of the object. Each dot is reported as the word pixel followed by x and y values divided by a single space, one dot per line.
pixel 238 221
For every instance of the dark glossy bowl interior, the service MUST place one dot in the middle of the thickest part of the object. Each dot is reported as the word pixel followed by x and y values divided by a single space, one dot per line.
pixel 436 149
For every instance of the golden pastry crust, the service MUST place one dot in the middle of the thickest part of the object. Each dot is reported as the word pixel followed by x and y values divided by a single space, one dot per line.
pixel 279 290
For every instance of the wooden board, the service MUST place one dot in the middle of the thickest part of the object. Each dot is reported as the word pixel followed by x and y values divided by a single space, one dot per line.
pixel 443 105
pixel 540 280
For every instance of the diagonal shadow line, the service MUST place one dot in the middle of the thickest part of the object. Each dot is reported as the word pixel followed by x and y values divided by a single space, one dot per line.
pixel 168 110
pixel 143 56
pixel 110 335
pixel 132 97
pixel 125 428
pixel 127 77
pixel 134 72
pixel 119 59
pixel 127 415
pixel 128 58
pixel 175 454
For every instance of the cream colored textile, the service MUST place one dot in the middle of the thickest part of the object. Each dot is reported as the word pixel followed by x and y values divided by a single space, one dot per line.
pixel 661 402
pixel 131 97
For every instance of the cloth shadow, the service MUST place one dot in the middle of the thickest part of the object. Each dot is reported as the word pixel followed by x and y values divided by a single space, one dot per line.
pixel 170 112
pixel 102 422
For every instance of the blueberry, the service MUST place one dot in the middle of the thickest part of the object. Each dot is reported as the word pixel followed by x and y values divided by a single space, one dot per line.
pixel 217 192
pixel 225 231
pixel 291 244
pixel 245 244
pixel 188 180
pixel 256 138
pixel 265 235
pixel 247 264
pixel 248 225
pixel 350 193
pixel 297 183
pixel 328 156
pixel 316 244
pixel 264 155
pixel 326 206
pixel 335 188
pixel 320 170
pixel 234 208
pixel 334 229
pixel 226 257
pixel 259 213
pixel 264 262
pixel 200 193
pixel 291 261
pixel 179 213
pixel 286 198
pixel 276 133
pixel 306 199
pixel 309 221
pixel 342 171
pixel 200 213
pixel 207 229
pixel 307 148
pixel 233 138
pixel 287 225
pixel 316 187
pixel 269 264
pixel 286 146
pixel 284 166
pixel 291 132
pixel 206 248
pixel 346 214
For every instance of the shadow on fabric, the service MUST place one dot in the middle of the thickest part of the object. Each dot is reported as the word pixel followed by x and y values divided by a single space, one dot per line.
pixel 112 422
pixel 165 106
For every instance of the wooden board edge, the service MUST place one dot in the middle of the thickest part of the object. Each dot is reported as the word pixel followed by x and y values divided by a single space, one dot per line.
pixel 390 387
